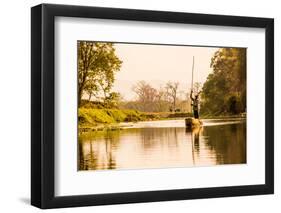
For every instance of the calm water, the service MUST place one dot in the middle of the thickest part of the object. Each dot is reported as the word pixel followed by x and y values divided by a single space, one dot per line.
pixel 162 144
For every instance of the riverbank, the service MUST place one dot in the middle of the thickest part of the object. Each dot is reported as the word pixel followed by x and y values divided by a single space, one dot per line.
pixel 91 120
pixel 109 119
pixel 226 116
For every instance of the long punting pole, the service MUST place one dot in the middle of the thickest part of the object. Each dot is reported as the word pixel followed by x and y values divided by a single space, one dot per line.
pixel 192 73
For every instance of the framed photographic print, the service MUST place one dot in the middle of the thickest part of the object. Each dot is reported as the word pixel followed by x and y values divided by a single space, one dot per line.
pixel 139 106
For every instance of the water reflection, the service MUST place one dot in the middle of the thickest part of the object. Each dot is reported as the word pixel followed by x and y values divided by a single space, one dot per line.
pixel 162 147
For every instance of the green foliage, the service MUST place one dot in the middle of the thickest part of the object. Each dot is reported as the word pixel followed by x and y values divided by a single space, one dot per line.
pixel 134 116
pixel 93 117
pixel 92 104
pixel 112 100
pixel 117 115
pixel 97 64
pixel 224 92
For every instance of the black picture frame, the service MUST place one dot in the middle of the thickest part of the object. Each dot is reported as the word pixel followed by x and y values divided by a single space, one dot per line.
pixel 43 102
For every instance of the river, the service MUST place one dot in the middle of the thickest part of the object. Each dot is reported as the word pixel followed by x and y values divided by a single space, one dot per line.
pixel 164 144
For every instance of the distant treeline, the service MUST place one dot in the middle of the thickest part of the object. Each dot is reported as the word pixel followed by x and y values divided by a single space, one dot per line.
pixel 164 99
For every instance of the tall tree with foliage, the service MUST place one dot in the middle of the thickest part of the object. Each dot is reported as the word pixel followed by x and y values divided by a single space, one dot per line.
pixel 224 92
pixel 97 64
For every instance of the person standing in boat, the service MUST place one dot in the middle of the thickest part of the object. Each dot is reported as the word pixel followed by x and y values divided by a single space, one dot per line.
pixel 195 104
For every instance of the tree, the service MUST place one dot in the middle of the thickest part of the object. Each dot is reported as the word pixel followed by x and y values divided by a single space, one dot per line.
pixel 90 87
pixel 97 64
pixel 161 100
pixel 146 95
pixel 113 100
pixel 104 83
pixel 224 91
pixel 172 90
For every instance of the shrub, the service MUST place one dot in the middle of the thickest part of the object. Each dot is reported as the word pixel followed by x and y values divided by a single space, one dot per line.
pixel 88 116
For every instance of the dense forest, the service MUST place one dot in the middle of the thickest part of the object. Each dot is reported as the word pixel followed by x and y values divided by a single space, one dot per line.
pixel 224 91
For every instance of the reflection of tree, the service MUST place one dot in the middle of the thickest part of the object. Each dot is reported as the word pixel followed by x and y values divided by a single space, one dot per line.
pixel 151 137
pixel 95 158
pixel 92 157
pixel 228 141
pixel 111 161
pixel 90 160
pixel 81 163
pixel 225 142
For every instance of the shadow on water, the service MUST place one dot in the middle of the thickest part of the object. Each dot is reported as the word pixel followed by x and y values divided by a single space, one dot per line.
pixel 194 135
pixel 137 148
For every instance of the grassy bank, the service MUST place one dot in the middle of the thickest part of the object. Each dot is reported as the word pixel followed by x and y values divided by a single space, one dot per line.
pixel 91 119
pixel 100 119
pixel 96 117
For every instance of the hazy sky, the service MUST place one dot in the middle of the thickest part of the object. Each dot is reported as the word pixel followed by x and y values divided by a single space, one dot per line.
pixel 158 64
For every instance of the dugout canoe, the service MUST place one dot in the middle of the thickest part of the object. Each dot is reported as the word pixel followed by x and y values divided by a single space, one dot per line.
pixel 193 122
